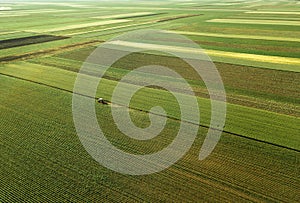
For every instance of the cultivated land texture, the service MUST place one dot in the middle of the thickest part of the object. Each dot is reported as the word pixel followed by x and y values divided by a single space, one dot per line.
pixel 255 46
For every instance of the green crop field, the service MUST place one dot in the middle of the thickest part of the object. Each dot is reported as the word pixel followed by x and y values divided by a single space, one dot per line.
pixel 255 47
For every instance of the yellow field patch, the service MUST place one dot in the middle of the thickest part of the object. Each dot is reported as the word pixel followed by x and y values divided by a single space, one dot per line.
pixel 83 25
pixel 261 22
pixel 235 55
pixel 124 15
pixel 237 36
pixel 255 57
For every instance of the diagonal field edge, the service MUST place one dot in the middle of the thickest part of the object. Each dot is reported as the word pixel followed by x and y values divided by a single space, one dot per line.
pixel 144 111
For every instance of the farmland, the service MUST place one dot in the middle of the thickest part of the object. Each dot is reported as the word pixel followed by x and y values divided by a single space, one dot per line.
pixel 255 46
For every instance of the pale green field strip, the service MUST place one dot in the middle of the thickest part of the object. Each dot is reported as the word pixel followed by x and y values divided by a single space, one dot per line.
pixel 274 12
pixel 251 6
pixel 223 4
pixel 250 122
pixel 256 22
pixel 188 3
pixel 16 35
pixel 262 4
pixel 218 9
pixel 110 32
pixel 81 14
pixel 27 12
pixel 106 29
pixel 12 15
pixel 180 9
pixel 124 15
pixel 60 4
pixel 108 22
pixel 53 22
pixel 9 32
pixel 213 53
pixel 289 39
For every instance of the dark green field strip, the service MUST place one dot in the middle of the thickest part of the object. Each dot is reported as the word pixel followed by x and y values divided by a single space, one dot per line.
pixel 250 122
pixel 277 85
pixel 17 42
pixel 33 48
pixel 44 160
pixel 252 47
